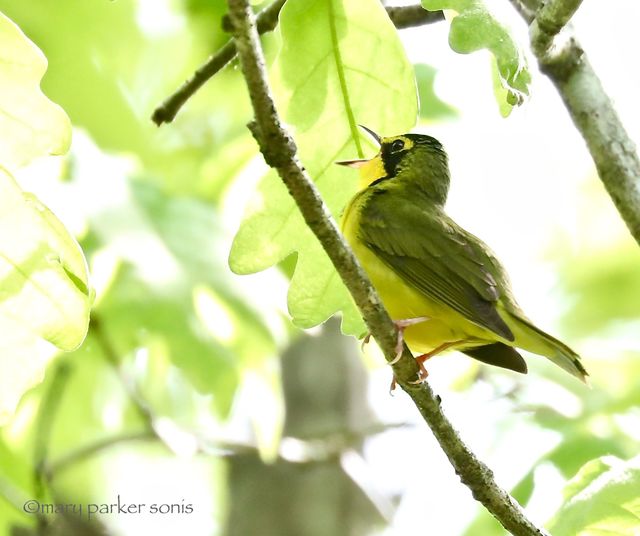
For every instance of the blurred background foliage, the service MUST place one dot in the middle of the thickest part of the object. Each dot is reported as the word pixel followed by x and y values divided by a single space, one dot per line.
pixel 193 387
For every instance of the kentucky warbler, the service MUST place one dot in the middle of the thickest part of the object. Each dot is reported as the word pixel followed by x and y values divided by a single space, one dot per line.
pixel 442 286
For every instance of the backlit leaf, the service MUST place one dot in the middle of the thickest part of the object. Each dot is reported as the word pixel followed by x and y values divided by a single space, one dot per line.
pixel 602 499
pixel 44 289
pixel 30 124
pixel 474 28
pixel 342 63
pixel 43 275
pixel 431 106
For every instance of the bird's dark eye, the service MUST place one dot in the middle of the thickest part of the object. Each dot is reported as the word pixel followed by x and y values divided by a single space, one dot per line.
pixel 397 146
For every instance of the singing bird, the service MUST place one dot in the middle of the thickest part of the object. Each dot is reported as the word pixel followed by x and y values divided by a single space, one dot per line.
pixel 442 286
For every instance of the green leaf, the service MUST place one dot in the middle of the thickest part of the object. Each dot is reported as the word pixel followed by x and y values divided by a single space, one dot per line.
pixel 501 93
pixel 172 295
pixel 611 282
pixel 474 28
pixel 523 490
pixel 30 124
pixel 105 87
pixel 579 447
pixel 43 274
pixel 341 64
pixel 44 290
pixel 485 524
pixel 15 480
pixel 431 106
pixel 601 500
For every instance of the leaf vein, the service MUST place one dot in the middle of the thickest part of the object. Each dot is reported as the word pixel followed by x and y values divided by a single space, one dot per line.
pixel 341 77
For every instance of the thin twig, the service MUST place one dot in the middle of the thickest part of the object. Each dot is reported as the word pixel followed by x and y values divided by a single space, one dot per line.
pixel 111 356
pixel 52 469
pixel 401 16
pixel 12 495
pixel 267 20
pixel 166 112
pixel 45 420
pixel 567 66
pixel 412 16
pixel 279 151
pixel 47 413
pixel 48 470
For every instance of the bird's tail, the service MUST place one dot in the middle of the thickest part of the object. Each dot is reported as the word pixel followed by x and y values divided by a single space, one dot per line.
pixel 533 339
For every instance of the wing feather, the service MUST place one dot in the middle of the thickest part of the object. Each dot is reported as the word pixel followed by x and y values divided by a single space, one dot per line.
pixel 437 257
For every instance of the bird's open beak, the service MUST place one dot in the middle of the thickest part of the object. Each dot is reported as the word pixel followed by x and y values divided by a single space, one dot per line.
pixel 372 134
pixel 352 163
pixel 362 162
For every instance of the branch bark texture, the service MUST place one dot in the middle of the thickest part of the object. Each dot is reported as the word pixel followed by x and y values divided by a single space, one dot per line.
pixel 266 21
pixel 591 110
pixel 279 151
pixel 552 17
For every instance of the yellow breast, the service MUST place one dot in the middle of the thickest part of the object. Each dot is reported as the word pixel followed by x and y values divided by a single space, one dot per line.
pixel 403 301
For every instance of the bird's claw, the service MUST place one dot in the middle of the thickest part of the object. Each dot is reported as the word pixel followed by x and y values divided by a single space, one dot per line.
pixel 399 348
pixel 402 325
pixel 365 341
pixel 423 373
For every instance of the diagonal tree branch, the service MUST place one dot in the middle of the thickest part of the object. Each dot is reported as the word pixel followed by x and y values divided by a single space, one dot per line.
pixel 568 67
pixel 279 151
pixel 266 21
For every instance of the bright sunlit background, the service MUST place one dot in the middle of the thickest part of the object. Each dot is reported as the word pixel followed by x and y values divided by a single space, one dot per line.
pixel 156 210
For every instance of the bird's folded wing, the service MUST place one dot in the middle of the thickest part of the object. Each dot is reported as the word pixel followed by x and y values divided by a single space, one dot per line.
pixel 435 256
